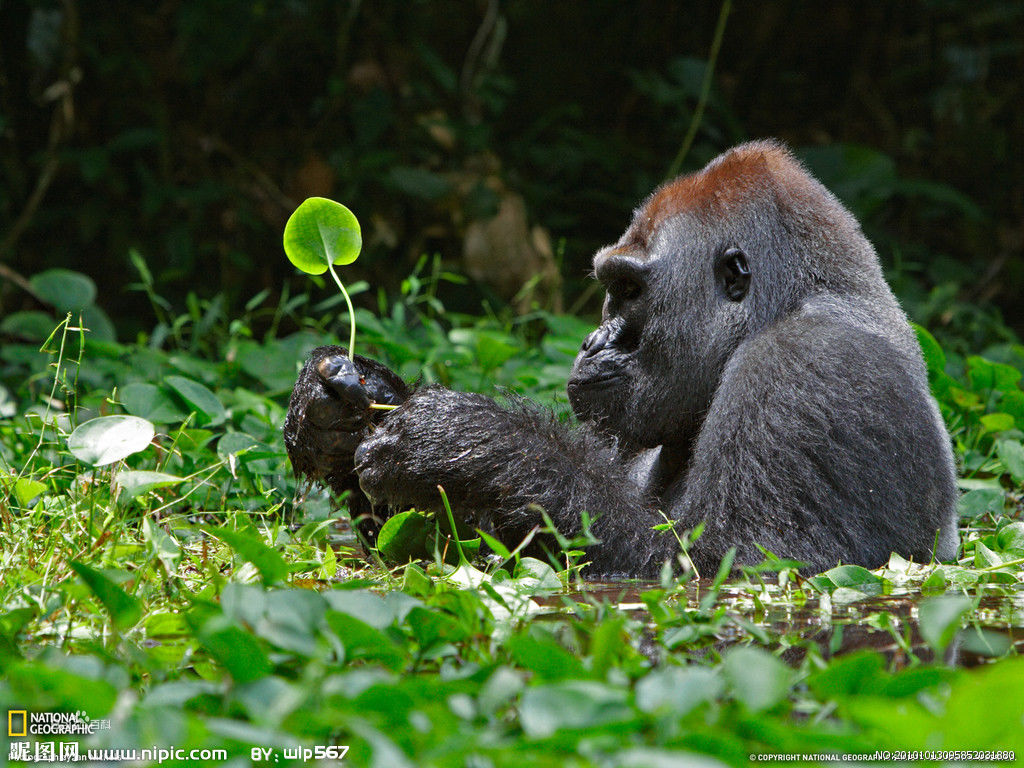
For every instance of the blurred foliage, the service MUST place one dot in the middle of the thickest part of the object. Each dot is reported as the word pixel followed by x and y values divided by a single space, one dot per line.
pixel 188 131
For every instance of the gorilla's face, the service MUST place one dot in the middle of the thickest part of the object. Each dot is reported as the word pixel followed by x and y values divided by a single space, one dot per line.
pixel 673 313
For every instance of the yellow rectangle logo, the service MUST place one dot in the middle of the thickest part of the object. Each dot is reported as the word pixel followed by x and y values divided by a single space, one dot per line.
pixel 12 715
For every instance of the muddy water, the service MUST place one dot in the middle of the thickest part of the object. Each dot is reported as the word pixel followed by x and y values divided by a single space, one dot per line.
pixel 793 620
pixel 796 619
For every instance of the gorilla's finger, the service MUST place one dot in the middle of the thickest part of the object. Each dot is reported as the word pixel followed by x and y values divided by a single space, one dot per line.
pixel 343 378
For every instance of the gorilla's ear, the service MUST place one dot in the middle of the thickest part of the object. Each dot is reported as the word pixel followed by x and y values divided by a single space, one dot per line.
pixel 733 274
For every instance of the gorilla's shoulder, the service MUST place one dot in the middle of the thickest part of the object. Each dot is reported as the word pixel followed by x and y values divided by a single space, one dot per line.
pixel 831 352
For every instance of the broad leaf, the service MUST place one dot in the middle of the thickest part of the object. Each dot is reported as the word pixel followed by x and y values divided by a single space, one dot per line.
pixel 321 231
pixel 757 678
pixel 199 398
pixel 403 537
pixel 65 289
pixel 110 438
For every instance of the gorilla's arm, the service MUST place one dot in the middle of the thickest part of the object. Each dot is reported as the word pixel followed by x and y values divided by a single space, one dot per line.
pixel 819 445
pixel 499 465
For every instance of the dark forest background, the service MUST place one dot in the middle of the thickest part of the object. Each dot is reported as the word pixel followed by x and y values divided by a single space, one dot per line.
pixel 511 138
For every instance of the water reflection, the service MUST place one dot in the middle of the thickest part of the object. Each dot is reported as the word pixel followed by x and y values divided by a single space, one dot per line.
pixel 795 619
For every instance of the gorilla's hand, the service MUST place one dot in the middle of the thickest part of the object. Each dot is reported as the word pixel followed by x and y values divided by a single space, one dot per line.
pixel 438 437
pixel 329 412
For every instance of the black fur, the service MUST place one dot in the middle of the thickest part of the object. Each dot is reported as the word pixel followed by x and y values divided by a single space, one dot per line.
pixel 752 371
pixel 324 426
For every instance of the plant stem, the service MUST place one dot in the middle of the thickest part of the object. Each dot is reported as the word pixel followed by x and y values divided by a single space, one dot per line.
pixel 451 523
pixel 351 311
pixel 705 91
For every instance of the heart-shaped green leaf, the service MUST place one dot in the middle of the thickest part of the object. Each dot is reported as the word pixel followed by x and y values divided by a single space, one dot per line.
pixel 109 439
pixel 320 232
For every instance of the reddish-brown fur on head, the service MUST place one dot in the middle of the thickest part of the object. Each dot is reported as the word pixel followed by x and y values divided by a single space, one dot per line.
pixel 726 183
pixel 759 178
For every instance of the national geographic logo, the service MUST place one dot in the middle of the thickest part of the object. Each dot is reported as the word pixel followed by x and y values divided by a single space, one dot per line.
pixel 21 723
pixel 17 723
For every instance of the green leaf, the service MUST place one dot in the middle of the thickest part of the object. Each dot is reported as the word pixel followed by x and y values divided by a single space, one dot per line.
pixel 32 325
pixel 321 231
pixel 495 546
pixel 110 438
pixel 536 574
pixel 859 672
pixel 978 484
pixel 433 627
pixel 289 619
pixel 499 690
pixel 985 557
pixel 984 374
pixel 13 622
pixel 199 399
pixel 1012 402
pixel 756 678
pixel 125 610
pixel 677 689
pixel 984 642
pixel 980 501
pixel 150 402
pixel 575 704
pixel 1011 537
pixel 403 537
pixel 238 651
pixel 490 348
pixel 545 657
pixel 855 577
pixel 268 561
pixel 233 443
pixel 939 619
pixel 137 482
pixel 98 324
pixel 27 490
pixel 377 611
pixel 1011 453
pixel 362 641
pixel 65 289
pixel 42 685
pixel 996 422
pixel 273 362
pixel 934 357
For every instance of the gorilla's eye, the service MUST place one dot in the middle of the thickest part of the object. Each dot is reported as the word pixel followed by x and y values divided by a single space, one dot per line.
pixel 733 274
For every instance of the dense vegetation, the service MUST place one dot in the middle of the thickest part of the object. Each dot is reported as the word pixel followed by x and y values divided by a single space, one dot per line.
pixel 184 595
pixel 190 131
pixel 162 570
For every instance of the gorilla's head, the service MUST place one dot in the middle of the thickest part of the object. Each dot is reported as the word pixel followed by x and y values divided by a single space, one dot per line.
pixel 708 259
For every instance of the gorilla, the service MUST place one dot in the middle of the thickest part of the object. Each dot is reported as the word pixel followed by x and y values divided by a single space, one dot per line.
pixel 752 373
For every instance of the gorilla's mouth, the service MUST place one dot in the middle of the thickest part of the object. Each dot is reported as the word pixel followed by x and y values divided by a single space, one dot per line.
pixel 603 381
